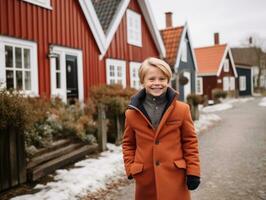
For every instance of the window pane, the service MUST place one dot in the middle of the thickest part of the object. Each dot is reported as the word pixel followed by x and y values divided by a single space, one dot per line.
pixel 57 63
pixel 9 56
pixel 19 80
pixel 112 70
pixel 26 58
pixel 134 72
pixel 27 80
pixel 9 79
pixel 58 80
pixel 119 71
pixel 18 57
pixel 112 81
pixel 119 82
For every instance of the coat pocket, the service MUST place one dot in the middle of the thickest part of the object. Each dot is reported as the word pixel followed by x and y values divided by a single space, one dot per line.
pixel 181 164
pixel 174 122
pixel 136 168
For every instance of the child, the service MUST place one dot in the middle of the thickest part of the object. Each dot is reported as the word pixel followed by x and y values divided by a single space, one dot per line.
pixel 160 146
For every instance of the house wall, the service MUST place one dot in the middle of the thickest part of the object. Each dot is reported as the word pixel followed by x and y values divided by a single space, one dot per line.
pixel 188 66
pixel 209 83
pixel 212 82
pixel 120 49
pixel 247 73
pixel 63 25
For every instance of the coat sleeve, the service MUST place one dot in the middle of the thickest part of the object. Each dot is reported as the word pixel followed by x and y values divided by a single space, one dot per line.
pixel 190 144
pixel 128 146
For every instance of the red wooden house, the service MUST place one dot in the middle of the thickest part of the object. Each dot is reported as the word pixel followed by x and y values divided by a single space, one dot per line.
pixel 61 48
pixel 131 36
pixel 216 69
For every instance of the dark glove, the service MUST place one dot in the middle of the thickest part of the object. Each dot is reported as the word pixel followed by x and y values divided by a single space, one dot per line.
pixel 193 182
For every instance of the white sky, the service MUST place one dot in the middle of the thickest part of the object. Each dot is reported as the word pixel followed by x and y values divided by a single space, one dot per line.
pixel 235 20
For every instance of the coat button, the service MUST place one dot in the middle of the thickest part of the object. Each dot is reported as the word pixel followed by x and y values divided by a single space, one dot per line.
pixel 157 142
pixel 157 163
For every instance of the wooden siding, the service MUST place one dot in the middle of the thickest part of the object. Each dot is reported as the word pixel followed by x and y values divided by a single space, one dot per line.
pixel 188 66
pixel 209 83
pixel 120 49
pixel 64 25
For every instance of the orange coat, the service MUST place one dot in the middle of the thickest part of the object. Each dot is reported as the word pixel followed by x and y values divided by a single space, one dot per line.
pixel 160 159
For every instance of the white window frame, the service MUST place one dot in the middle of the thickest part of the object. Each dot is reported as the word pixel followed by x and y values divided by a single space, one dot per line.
pixel 226 83
pixel 226 65
pixel 32 46
pixel 62 91
pixel 232 83
pixel 242 83
pixel 134 34
pixel 116 77
pixel 41 3
pixel 199 85
pixel 184 51
pixel 134 78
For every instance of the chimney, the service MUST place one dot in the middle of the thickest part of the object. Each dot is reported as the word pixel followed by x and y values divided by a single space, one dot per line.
pixel 250 40
pixel 168 19
pixel 216 38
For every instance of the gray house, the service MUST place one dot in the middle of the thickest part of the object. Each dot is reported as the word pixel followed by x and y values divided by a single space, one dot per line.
pixel 251 62
pixel 180 56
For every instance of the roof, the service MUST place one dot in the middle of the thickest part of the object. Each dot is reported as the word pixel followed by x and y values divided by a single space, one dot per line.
pixel 209 58
pixel 172 38
pixel 104 17
pixel 246 56
pixel 105 10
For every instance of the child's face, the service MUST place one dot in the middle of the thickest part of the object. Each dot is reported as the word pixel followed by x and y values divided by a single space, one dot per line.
pixel 155 82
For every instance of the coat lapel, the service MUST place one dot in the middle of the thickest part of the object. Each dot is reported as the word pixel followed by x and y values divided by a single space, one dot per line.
pixel 164 118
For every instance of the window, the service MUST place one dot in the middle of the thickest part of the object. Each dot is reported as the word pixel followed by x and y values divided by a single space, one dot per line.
pixel 116 72
pixel 199 85
pixel 134 28
pixel 42 3
pixel 58 72
pixel 134 78
pixel 184 51
pixel 225 83
pixel 242 83
pixel 19 70
pixel 232 83
pixel 226 65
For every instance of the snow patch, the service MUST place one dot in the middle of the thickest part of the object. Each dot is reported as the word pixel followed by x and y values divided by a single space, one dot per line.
pixel 263 102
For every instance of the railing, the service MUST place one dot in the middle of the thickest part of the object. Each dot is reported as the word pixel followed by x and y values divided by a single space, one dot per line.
pixel 12 159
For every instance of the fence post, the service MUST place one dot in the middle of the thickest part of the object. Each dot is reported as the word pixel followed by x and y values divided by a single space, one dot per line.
pixel 102 128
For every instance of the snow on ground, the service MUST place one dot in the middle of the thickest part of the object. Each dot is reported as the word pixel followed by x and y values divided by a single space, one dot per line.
pixel 90 175
pixel 263 102
pixel 226 104
pixel 206 121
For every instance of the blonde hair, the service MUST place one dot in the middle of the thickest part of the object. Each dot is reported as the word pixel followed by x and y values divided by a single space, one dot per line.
pixel 154 62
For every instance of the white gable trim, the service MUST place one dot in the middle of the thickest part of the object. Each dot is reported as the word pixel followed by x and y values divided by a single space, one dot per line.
pixel 227 50
pixel 103 41
pixel 115 23
pixel 94 24
pixel 182 39
pixel 148 15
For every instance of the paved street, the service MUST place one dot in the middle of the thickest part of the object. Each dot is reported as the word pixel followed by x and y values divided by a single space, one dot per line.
pixel 233 157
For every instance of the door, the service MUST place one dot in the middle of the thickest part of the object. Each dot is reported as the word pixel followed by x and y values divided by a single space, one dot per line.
pixel 187 87
pixel 71 78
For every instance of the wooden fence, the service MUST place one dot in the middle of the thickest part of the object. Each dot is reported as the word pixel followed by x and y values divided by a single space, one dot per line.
pixel 12 159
